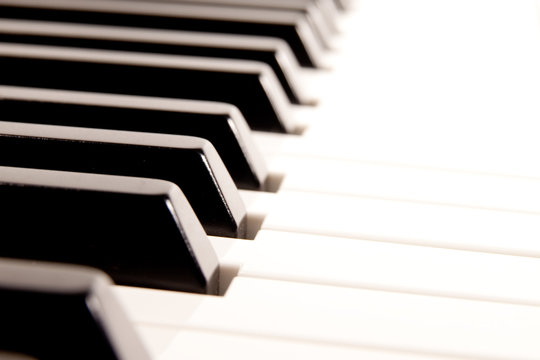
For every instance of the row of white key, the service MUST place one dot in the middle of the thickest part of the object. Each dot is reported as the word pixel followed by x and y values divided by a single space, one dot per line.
pixel 353 318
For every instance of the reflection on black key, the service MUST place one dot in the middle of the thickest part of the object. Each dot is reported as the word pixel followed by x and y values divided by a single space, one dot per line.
pixel 142 232
pixel 271 51
pixel 290 26
pixel 250 86
pixel 60 312
pixel 191 163
pixel 221 124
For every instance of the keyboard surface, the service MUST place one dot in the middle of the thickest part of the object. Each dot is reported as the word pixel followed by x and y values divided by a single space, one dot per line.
pixel 403 221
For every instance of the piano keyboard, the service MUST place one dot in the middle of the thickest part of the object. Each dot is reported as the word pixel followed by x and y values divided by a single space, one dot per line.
pixel 384 205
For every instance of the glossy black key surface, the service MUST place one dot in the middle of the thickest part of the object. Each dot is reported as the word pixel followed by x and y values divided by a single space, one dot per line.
pixel 308 8
pixel 191 163
pixel 60 312
pixel 222 49
pixel 215 122
pixel 141 232
pixel 175 79
pixel 198 20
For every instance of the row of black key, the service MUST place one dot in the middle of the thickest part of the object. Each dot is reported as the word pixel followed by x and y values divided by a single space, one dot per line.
pixel 287 25
pixel 181 161
pixel 142 232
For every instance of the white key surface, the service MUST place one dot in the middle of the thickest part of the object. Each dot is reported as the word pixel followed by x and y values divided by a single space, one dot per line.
pixel 365 318
pixel 444 226
pixel 435 94
pixel 423 184
pixel 387 266
pixel 194 344
pixel 343 317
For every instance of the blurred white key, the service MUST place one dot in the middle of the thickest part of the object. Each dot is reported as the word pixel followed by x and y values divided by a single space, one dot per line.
pixel 194 344
pixel 455 86
pixel 158 306
pixel 381 266
pixel 409 183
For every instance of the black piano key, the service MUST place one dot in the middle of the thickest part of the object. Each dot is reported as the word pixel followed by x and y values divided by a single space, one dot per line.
pixel 310 9
pixel 287 25
pixel 219 47
pixel 191 163
pixel 242 84
pixel 306 8
pixel 141 232
pixel 60 312
pixel 220 124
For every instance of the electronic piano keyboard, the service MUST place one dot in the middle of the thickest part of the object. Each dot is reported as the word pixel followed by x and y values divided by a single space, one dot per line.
pixel 321 178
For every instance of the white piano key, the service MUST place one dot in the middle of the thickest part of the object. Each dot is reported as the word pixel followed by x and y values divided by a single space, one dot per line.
pixel 153 312
pixel 232 254
pixel 156 339
pixel 452 227
pixel 380 266
pixel 272 144
pixel 148 306
pixel 409 183
pixel 337 316
pixel 437 98
pixel 484 156
pixel 382 320
pixel 194 344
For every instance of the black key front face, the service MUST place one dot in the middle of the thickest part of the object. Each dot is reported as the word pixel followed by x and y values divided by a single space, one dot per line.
pixel 215 128
pixel 185 167
pixel 28 331
pixel 283 31
pixel 62 312
pixel 133 238
pixel 243 90
pixel 268 57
